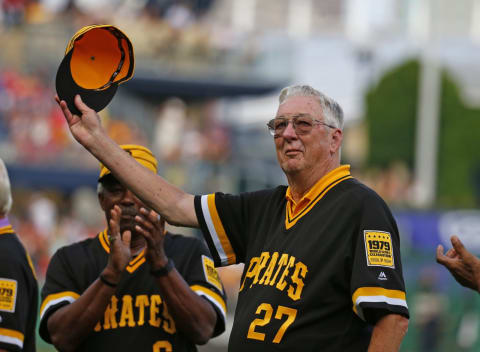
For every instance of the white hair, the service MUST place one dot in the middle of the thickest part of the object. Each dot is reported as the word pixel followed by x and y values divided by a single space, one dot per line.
pixel 5 191
pixel 332 111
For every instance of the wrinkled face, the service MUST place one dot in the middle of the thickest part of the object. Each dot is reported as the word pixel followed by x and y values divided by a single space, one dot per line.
pixel 115 194
pixel 297 153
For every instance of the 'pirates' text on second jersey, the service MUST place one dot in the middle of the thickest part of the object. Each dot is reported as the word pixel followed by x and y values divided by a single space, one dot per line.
pixel 136 318
pixel 318 273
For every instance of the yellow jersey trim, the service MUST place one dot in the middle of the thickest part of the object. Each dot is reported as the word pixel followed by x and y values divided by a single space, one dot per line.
pixel 6 229
pixel 220 230
pixel 54 298
pixel 214 297
pixel 14 334
pixel 295 211
pixel 134 264
pixel 377 294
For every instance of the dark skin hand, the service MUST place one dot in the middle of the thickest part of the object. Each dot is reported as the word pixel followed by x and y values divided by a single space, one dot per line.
pixel 71 324
pixel 192 314
pixel 463 265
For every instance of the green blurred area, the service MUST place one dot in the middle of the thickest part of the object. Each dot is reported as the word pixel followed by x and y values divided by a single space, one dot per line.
pixel 391 115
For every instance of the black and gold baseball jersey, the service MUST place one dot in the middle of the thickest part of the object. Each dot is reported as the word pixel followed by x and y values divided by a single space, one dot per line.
pixel 318 273
pixel 137 318
pixel 18 293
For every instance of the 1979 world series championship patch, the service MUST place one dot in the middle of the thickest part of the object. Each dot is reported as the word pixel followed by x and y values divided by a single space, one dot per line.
pixel 211 273
pixel 8 295
pixel 379 249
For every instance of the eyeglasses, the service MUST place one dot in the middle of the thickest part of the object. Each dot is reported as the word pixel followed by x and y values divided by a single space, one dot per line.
pixel 301 124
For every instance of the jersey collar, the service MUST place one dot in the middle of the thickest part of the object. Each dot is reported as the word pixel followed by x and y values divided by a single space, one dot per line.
pixel 294 211
pixel 5 226
pixel 134 264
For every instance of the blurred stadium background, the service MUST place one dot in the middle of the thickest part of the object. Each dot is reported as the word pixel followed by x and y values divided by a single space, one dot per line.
pixel 207 76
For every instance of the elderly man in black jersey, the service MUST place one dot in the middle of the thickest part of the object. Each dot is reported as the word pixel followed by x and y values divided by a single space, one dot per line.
pixel 18 284
pixel 134 287
pixel 322 255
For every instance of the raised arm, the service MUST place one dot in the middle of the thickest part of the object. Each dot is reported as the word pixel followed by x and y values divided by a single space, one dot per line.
pixel 71 324
pixel 175 206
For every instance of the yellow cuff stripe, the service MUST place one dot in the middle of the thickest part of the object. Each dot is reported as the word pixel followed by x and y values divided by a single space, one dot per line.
pixel 11 337
pixel 377 295
pixel 211 296
pixel 50 300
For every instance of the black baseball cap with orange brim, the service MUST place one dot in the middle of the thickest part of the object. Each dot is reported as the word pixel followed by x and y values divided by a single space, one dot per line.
pixel 98 58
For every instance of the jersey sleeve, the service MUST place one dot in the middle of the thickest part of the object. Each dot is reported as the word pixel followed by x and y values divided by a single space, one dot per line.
pixel 377 284
pixel 59 290
pixel 222 219
pixel 15 298
pixel 203 279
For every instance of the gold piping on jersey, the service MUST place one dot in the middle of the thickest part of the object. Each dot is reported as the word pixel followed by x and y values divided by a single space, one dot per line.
pixel 377 295
pixel 12 337
pixel 295 211
pixel 217 231
pixel 134 264
pixel 6 229
pixel 212 297
pixel 9 229
pixel 54 298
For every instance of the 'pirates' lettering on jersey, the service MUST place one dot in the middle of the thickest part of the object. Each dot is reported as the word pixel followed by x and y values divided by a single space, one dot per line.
pixel 274 269
pixel 137 316
pixel 136 311
pixel 306 276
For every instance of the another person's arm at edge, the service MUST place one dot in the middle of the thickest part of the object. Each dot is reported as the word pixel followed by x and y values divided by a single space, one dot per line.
pixel 388 333
pixel 172 203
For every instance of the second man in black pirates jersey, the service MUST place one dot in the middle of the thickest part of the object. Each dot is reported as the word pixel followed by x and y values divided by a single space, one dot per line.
pixel 134 287
pixel 322 256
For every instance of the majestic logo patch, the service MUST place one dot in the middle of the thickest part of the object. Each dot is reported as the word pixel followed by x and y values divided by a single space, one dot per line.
pixel 8 295
pixel 379 249
pixel 382 276
pixel 211 273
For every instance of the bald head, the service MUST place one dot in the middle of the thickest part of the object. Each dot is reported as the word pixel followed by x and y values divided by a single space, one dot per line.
pixel 5 192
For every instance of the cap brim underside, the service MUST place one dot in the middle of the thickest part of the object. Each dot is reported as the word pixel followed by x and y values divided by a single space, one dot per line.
pixel 67 89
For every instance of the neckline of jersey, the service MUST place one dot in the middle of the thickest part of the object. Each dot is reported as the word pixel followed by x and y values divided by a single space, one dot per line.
pixel 134 264
pixel 294 211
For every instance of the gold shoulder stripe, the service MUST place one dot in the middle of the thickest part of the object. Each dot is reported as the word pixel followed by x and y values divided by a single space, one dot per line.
pixel 217 231
pixel 54 298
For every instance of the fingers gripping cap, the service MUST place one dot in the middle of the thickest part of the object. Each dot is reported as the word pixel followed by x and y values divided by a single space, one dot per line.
pixel 141 154
pixel 97 59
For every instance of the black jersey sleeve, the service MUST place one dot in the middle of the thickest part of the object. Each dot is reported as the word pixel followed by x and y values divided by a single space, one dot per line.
pixel 59 289
pixel 222 218
pixel 15 300
pixel 197 268
pixel 377 284
pixel 227 221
